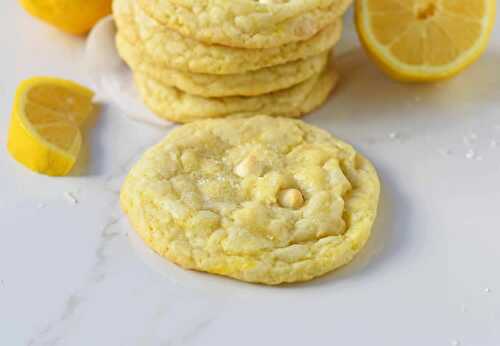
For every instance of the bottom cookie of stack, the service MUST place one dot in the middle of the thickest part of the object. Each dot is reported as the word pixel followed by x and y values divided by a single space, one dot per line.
pixel 173 104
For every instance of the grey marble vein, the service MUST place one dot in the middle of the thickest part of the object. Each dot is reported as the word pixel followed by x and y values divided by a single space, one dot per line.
pixel 190 335
pixel 72 304
pixel 194 332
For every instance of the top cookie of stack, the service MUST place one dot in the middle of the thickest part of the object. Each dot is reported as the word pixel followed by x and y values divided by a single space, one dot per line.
pixel 194 59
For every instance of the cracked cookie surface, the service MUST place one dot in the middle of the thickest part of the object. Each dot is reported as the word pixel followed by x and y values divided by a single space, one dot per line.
pixel 261 199
pixel 246 24
pixel 182 53
pixel 252 83
pixel 175 105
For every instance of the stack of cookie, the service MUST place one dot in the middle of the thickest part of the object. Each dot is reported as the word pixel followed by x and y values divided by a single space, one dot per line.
pixel 195 59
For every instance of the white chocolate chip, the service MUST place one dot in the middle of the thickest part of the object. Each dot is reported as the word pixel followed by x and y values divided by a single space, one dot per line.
pixel 291 198
pixel 470 154
pixel 249 166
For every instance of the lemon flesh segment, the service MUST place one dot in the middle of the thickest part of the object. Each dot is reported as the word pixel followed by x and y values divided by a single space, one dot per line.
pixel 72 16
pixel 44 134
pixel 425 40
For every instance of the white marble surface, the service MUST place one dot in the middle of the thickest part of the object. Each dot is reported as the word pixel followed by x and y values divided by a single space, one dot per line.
pixel 74 274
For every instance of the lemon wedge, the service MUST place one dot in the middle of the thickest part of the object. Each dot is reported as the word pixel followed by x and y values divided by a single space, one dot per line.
pixel 425 40
pixel 72 16
pixel 44 133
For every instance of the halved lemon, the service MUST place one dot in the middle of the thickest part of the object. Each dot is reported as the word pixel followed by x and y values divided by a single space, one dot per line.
pixel 425 40
pixel 44 133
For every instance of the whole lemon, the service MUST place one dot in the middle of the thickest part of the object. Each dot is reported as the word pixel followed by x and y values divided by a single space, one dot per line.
pixel 72 16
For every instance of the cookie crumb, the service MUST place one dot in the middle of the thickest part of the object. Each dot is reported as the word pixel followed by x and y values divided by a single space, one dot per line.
pixel 471 138
pixel 470 154
pixel 445 152
pixel 394 135
pixel 71 198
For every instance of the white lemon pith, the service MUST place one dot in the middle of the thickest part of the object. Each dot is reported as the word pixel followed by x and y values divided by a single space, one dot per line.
pixel 425 40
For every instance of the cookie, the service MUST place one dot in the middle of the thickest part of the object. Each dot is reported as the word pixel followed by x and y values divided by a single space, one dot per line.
pixel 261 199
pixel 253 83
pixel 246 24
pixel 182 53
pixel 123 15
pixel 173 104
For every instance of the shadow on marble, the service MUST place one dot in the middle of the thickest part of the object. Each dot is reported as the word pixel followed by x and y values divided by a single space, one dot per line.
pixel 389 238
pixel 365 95
pixel 210 285
pixel 85 164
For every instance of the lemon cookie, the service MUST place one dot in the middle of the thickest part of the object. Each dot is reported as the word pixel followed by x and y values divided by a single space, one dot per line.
pixel 175 105
pixel 123 14
pixel 253 83
pixel 261 199
pixel 182 53
pixel 246 24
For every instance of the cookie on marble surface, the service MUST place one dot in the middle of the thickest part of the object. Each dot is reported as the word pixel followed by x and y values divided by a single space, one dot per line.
pixel 248 23
pixel 253 83
pixel 260 199
pixel 175 105
pixel 171 49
